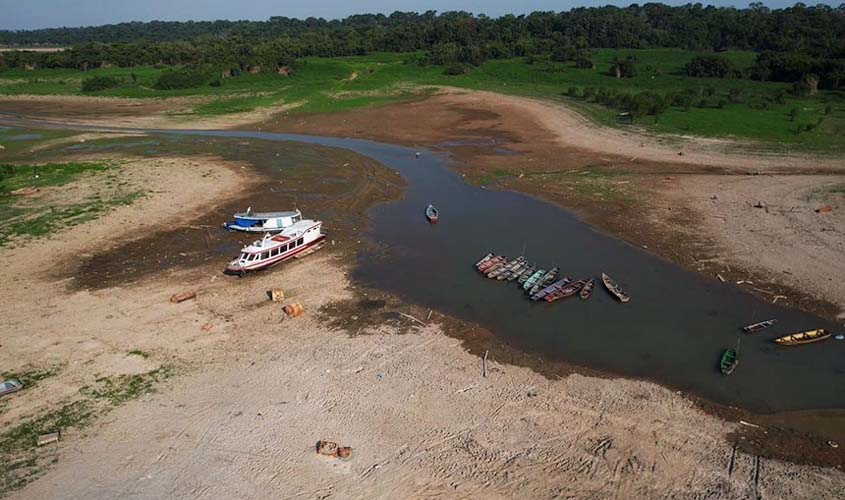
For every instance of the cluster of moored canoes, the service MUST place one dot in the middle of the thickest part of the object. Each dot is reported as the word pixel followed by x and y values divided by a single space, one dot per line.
pixel 730 357
pixel 543 284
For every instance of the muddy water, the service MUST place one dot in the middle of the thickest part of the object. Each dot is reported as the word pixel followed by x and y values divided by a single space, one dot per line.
pixel 673 331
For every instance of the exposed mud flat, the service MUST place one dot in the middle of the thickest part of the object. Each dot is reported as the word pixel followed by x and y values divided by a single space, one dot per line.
pixel 634 186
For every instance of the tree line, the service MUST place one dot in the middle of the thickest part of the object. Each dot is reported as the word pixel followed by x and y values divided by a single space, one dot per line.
pixel 793 42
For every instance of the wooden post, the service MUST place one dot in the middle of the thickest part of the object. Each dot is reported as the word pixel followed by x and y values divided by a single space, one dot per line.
pixel 484 364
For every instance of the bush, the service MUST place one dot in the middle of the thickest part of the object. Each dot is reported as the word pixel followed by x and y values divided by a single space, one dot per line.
pixel 455 70
pixel 216 83
pixel 573 92
pixel 98 83
pixel 181 79
pixel 710 67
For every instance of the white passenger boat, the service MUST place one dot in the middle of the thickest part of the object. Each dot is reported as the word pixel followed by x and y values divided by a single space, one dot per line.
pixel 263 222
pixel 298 239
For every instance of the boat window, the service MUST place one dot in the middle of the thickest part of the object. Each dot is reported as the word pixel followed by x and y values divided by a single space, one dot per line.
pixel 297 218
pixel 265 255
pixel 299 241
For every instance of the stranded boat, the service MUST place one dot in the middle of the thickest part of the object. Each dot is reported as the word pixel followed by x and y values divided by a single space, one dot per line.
pixel 803 337
pixel 298 239
pixel 614 289
pixel 432 214
pixel 756 327
pixel 263 222
pixel 549 289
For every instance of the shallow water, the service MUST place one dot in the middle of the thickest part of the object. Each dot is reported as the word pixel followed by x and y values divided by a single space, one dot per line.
pixel 673 331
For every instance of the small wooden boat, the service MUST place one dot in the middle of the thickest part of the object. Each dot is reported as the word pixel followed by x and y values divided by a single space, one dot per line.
pixel 730 358
pixel 587 289
pixel 545 281
pixel 525 275
pixel 533 279
pixel 483 260
pixel 499 259
pixel 432 214
pixel 614 289
pixel 803 337
pixel 565 291
pixel 495 267
pixel 549 289
pixel 756 327
pixel 513 273
pixel 507 267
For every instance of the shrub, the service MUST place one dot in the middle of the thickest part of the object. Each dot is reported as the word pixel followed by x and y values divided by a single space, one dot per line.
pixel 573 92
pixel 215 83
pixel 98 83
pixel 181 79
pixel 454 70
pixel 710 67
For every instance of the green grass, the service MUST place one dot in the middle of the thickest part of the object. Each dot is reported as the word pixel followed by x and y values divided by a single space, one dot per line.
pixel 122 388
pixel 21 460
pixel 30 378
pixel 324 85
pixel 29 217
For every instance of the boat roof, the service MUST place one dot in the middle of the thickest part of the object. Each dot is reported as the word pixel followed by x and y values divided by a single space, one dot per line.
pixel 267 215
pixel 291 232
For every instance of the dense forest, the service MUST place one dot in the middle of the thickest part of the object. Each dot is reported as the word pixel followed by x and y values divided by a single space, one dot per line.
pixel 796 44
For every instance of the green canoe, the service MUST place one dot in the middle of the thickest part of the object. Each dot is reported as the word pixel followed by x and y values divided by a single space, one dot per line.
pixel 730 358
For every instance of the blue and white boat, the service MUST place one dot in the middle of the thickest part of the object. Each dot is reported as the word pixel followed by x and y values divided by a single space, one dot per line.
pixel 263 222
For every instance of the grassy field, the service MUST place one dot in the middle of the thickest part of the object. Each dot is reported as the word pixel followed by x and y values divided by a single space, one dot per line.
pixel 326 85
pixel 29 217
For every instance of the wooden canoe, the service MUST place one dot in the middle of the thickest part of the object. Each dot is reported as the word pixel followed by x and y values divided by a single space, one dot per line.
pixel 568 290
pixel 756 327
pixel 526 274
pixel 614 288
pixel 730 358
pixel 483 260
pixel 432 214
pixel 507 267
pixel 546 280
pixel 533 279
pixel 484 267
pixel 587 289
pixel 551 288
pixel 803 337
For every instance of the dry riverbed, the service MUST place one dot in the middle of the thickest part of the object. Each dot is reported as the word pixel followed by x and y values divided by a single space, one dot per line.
pixel 222 397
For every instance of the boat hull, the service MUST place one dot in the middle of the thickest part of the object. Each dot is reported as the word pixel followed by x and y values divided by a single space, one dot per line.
pixel 802 338
pixel 238 270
